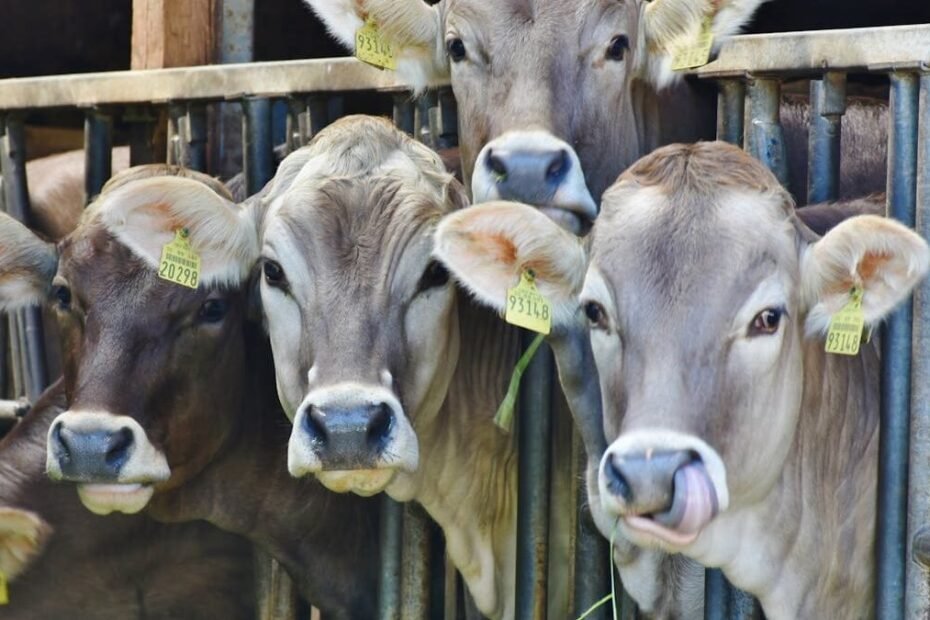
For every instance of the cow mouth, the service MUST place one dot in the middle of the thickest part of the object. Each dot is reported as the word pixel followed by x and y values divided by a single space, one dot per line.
pixel 364 482
pixel 571 218
pixel 102 499
pixel 694 505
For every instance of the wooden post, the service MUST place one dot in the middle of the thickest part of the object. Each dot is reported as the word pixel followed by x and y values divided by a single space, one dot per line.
pixel 172 33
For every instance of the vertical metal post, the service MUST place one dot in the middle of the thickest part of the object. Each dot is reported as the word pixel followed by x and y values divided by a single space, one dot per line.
pixel 828 104
pixel 731 101
pixel 98 151
pixel 389 600
pixel 258 152
pixel 533 428
pixel 766 141
pixel 891 541
pixel 592 551
pixel 235 25
pixel 415 574
pixel 917 595
pixel 276 601
pixel 28 323
pixel 187 140
pixel 404 113
pixel 715 594
pixel 142 122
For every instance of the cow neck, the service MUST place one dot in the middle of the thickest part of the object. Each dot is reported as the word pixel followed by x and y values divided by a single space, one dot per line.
pixel 318 536
pixel 815 529
pixel 466 480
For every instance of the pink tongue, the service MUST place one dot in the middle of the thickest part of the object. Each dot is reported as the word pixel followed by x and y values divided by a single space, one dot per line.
pixel 695 500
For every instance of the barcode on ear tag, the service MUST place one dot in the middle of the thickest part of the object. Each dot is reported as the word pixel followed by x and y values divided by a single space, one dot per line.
pixel 371 48
pixel 179 262
pixel 526 307
pixel 845 333
pixel 696 53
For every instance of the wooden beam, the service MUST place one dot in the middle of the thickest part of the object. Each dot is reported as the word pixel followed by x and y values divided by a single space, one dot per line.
pixel 172 33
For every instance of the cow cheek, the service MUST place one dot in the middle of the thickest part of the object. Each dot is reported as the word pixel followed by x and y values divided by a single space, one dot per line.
pixel 607 358
pixel 283 320
pixel 432 331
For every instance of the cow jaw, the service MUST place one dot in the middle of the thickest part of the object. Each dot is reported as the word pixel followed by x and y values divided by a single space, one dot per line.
pixel 102 499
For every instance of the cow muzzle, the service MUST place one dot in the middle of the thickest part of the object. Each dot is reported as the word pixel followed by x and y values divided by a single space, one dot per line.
pixel 353 438
pixel 109 457
pixel 668 488
pixel 536 168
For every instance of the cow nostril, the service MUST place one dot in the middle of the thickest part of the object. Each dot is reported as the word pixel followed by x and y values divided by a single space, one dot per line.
pixel 496 165
pixel 616 481
pixel 380 425
pixel 118 450
pixel 314 426
pixel 558 166
pixel 61 448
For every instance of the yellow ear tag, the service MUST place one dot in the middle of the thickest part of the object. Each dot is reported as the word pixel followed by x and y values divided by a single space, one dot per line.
pixel 179 263
pixel 526 307
pixel 696 53
pixel 371 48
pixel 845 332
pixel 4 593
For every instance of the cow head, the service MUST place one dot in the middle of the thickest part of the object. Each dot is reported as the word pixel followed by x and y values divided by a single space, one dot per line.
pixel 700 290
pixel 362 319
pixel 146 361
pixel 555 98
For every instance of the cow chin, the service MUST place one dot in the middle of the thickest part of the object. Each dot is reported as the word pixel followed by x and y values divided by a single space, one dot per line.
pixel 102 499
pixel 364 482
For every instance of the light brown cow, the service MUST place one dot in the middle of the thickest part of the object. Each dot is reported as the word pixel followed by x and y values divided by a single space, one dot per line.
pixel 735 438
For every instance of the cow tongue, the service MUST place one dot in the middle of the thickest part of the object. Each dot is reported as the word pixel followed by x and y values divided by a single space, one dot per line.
pixel 694 503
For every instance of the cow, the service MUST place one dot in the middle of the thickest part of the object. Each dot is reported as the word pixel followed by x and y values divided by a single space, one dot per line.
pixel 691 330
pixel 60 558
pixel 171 406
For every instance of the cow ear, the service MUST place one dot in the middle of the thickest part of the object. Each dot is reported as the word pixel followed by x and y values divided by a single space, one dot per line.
pixel 669 25
pixel 147 214
pixel 27 265
pixel 23 535
pixel 487 247
pixel 412 27
pixel 883 257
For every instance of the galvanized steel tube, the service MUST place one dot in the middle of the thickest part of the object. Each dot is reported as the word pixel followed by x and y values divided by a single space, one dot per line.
pixel 415 574
pixel 389 600
pixel 917 594
pixel 765 139
pixel 404 113
pixel 257 149
pixel 891 542
pixel 828 104
pixel 731 101
pixel 592 551
pixel 98 151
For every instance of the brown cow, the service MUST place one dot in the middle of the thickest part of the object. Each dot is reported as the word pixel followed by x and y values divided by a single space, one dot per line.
pixel 696 319
pixel 168 387
pixel 124 567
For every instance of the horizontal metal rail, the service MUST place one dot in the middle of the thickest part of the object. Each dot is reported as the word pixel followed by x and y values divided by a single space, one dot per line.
pixel 895 48
pixel 210 82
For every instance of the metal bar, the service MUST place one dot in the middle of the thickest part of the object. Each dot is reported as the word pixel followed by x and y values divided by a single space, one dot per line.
pixel 535 404
pixel 828 104
pixel 142 123
pixel 716 594
pixel 187 141
pixel 404 113
pixel 258 151
pixel 16 199
pixel 811 53
pixel 98 151
pixel 202 83
pixel 592 550
pixel 731 101
pixel 415 568
pixel 389 601
pixel 891 542
pixel 765 139
pixel 917 593
pixel 17 387
pixel 448 121
pixel 277 599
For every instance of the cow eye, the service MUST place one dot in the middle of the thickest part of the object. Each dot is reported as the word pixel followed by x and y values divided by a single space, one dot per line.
pixel 456 49
pixel 618 47
pixel 434 276
pixel 766 322
pixel 274 275
pixel 62 295
pixel 212 311
pixel 596 315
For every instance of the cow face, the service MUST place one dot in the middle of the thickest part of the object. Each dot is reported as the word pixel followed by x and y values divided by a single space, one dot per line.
pixel 700 289
pixel 555 98
pixel 362 319
pixel 145 361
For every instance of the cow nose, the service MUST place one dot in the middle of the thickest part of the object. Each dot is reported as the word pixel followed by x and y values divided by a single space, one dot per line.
pixel 645 482
pixel 91 456
pixel 349 437
pixel 521 174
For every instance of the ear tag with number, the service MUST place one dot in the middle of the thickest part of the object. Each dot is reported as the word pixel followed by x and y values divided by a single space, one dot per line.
pixel 526 307
pixel 371 48
pixel 179 263
pixel 696 53
pixel 845 333
pixel 4 593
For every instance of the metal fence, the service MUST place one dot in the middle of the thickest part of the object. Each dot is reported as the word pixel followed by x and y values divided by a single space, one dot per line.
pixel 749 71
